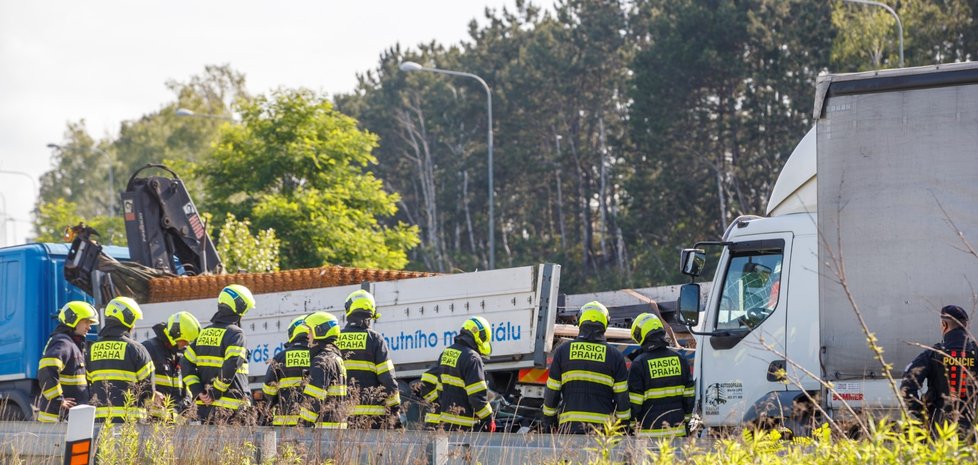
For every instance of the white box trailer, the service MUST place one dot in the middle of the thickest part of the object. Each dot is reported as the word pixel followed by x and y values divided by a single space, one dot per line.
pixel 419 317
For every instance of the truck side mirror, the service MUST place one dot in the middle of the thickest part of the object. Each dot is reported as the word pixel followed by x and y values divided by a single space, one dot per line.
pixel 692 261
pixel 689 304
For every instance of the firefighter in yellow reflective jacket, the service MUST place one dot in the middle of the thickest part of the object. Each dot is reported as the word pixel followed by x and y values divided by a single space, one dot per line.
pixel 61 373
pixel 286 376
pixel 119 368
pixel 368 365
pixel 166 349
pixel 660 384
pixel 430 390
pixel 589 376
pixel 325 391
pixel 215 366
pixel 460 380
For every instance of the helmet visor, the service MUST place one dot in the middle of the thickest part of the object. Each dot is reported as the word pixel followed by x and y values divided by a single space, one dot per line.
pixel 485 348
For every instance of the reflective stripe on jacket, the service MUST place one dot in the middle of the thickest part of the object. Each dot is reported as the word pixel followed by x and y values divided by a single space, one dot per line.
pixel 219 359
pixel 463 398
pixel 284 382
pixel 120 371
pixel 370 369
pixel 587 385
pixel 167 374
pixel 61 374
pixel 326 391
pixel 661 390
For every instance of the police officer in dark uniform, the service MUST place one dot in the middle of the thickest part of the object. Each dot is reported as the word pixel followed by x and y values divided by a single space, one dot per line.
pixel 325 392
pixel 286 376
pixel 463 402
pixel 368 365
pixel 949 369
pixel 660 384
pixel 166 349
pixel 215 366
pixel 588 376
pixel 119 368
pixel 61 372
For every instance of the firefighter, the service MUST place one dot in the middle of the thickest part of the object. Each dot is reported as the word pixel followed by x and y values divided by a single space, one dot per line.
pixel 949 369
pixel 369 365
pixel 119 368
pixel 215 366
pixel 166 349
pixel 285 378
pixel 325 392
pixel 430 390
pixel 589 376
pixel 463 401
pixel 660 384
pixel 61 372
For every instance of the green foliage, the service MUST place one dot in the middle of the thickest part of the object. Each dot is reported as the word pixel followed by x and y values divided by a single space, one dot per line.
pixel 81 166
pixel 934 32
pixel 55 216
pixel 298 166
pixel 242 251
pixel 623 132
pixel 721 97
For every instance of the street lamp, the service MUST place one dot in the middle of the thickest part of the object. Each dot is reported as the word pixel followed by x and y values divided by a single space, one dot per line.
pixel 410 66
pixel 895 16
pixel 99 151
pixel 185 112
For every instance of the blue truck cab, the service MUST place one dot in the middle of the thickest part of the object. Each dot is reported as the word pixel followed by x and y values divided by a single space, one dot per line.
pixel 32 290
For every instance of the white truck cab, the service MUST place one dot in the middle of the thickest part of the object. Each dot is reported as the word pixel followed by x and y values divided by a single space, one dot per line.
pixel 881 233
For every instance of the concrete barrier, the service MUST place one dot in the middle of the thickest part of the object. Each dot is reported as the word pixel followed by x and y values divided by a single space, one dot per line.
pixel 44 443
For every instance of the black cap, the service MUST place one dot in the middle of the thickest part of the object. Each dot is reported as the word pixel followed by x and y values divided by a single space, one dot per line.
pixel 953 312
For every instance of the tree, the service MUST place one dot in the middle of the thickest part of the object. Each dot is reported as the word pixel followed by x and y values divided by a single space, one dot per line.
pixel 298 166
pixel 934 32
pixel 81 164
pixel 55 216
pixel 722 93
pixel 241 251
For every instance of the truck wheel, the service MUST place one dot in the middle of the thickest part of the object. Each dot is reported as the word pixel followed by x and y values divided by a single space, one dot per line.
pixel 10 411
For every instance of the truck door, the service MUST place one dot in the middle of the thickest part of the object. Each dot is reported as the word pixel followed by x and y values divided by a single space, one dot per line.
pixel 746 314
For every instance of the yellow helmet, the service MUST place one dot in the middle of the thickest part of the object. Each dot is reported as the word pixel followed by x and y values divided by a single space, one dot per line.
pixel 237 298
pixel 361 301
pixel 182 326
pixel 323 325
pixel 77 310
pixel 297 328
pixel 644 325
pixel 593 312
pixel 124 309
pixel 482 332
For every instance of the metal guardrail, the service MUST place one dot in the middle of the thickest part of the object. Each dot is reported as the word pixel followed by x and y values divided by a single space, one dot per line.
pixel 35 442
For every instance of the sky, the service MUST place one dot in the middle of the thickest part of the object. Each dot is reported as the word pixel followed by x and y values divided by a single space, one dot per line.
pixel 108 61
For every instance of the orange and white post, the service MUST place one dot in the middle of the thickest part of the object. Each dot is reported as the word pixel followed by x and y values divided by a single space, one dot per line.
pixel 79 437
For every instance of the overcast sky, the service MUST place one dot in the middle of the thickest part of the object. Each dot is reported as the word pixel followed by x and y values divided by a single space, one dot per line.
pixel 107 61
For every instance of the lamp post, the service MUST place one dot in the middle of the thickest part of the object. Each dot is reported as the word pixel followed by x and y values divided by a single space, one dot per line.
pixel 895 16
pixel 410 66
pixel 188 113
pixel 36 192
pixel 108 159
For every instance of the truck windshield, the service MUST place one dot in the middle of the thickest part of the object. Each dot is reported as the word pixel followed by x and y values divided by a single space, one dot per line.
pixel 751 288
